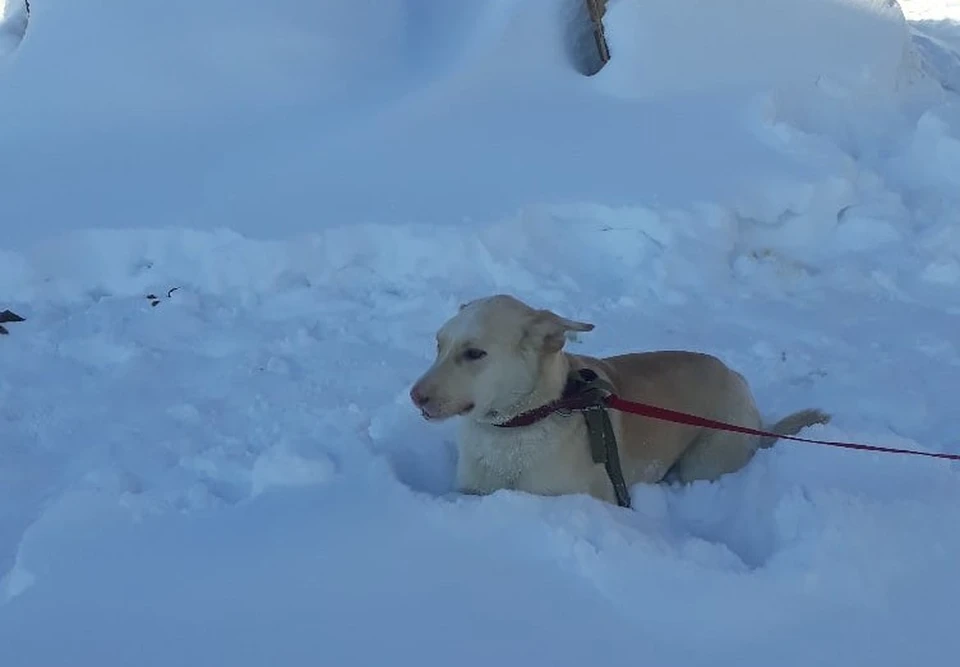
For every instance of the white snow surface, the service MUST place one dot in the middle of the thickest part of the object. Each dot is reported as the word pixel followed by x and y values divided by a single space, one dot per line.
pixel 230 472
pixel 13 25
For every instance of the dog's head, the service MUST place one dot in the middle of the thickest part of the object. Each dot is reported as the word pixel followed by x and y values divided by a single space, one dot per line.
pixel 490 356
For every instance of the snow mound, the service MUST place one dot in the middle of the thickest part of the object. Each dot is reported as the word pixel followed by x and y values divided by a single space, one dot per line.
pixel 662 47
pixel 275 119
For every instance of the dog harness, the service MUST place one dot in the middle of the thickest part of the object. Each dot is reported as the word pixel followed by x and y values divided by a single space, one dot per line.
pixel 585 393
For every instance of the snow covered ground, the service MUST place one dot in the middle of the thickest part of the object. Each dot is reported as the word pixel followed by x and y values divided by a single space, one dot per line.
pixel 231 473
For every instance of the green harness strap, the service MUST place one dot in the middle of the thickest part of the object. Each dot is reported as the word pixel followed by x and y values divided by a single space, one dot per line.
pixel 603 441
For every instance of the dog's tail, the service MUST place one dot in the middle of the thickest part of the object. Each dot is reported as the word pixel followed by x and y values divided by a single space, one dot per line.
pixel 793 424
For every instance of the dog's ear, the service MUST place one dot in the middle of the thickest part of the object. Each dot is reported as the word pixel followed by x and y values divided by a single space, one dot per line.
pixel 550 330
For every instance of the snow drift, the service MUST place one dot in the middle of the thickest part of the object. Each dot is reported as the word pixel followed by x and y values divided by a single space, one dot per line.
pixel 664 48
pixel 247 114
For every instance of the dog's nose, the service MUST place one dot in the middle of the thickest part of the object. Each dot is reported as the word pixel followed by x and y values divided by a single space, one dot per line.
pixel 418 397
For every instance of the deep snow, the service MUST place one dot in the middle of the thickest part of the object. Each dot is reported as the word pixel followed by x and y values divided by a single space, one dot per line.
pixel 234 475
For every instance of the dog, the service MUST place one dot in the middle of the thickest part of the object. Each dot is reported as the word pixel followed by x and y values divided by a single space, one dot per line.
pixel 499 357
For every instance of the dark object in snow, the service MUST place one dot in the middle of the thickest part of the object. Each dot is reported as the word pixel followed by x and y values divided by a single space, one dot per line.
pixel 154 299
pixel 585 40
pixel 7 316
pixel 596 9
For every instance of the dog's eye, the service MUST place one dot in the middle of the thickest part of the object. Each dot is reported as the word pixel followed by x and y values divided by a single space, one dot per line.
pixel 472 354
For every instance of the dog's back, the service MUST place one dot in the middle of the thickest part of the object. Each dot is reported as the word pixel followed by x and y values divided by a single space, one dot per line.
pixel 690 382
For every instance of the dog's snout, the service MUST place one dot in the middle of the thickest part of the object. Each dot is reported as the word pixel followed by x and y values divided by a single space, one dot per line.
pixel 418 396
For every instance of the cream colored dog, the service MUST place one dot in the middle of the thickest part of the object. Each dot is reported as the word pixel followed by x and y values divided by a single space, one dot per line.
pixel 498 358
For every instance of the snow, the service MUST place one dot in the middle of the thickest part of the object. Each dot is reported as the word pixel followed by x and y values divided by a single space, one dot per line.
pixel 13 25
pixel 230 472
pixel 717 45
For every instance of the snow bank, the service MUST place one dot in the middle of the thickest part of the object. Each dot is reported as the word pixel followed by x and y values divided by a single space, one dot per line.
pixel 663 47
pixel 274 119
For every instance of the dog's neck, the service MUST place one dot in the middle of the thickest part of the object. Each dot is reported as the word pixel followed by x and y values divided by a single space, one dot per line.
pixel 549 387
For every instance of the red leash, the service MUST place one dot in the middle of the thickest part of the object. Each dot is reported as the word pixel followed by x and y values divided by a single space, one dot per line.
pixel 580 402
pixel 652 411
